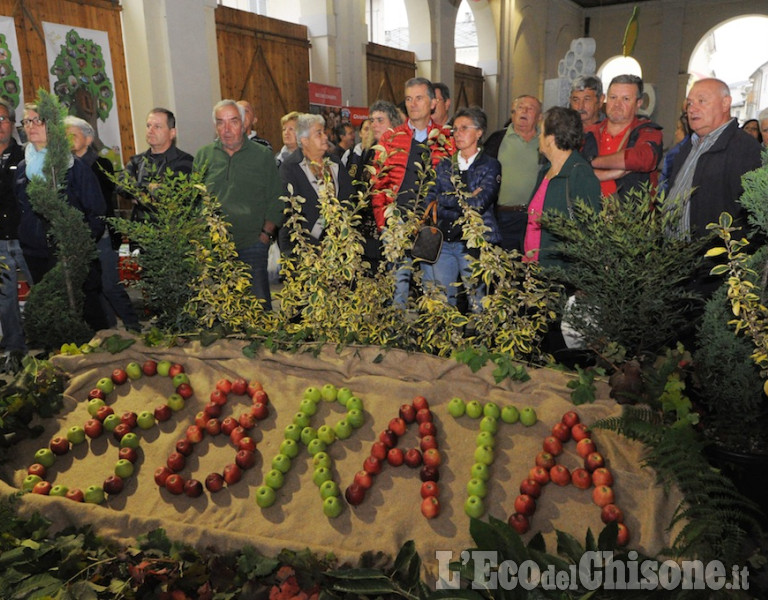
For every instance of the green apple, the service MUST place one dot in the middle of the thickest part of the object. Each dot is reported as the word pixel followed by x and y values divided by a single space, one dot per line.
pixel 129 440
pixel 315 446
pixel 76 434
pixel 133 370
pixel 94 494
pixel 510 414
pixel 175 402
pixel 163 368
pixel 343 429
pixel 111 421
pixel 328 392
pixel 489 424
pixel 326 434
pixel 180 378
pixel 474 409
pixel 45 457
pixel 491 409
pixel 332 507
pixel 473 507
pixel 94 404
pixel 485 438
pixel 321 474
pixel 355 417
pixel 480 471
pixel 274 479
pixel 30 481
pixel 528 416
pixel 484 454
pixel 329 488
pixel 312 393
pixel 265 496
pixel 308 407
pixel 124 468
pixel 477 487
pixel 456 407
pixel 321 459
pixel 106 385
pixel 145 419
pixel 308 434
pixel 282 463
pixel 58 490
pixel 343 395
pixel 289 447
pixel 301 419
pixel 292 432
pixel 354 403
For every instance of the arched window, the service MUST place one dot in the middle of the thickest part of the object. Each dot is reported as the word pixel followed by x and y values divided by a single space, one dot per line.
pixel 618 65
pixel 465 36
pixel 734 52
pixel 387 22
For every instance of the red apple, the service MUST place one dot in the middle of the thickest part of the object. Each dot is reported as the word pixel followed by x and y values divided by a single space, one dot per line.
pixel 585 447
pixel 239 386
pixel 259 396
pixel 247 443
pixel 354 494
pixel 214 482
pixel 232 474
pixel 623 536
pixel 379 450
pixel 176 461
pixel 430 507
pixel 237 434
pixel 530 487
pixel 104 412
pixel 363 479
pixel 602 476
pixel 245 459
pixel 228 424
pixel 611 513
pixel 113 485
pixel 119 376
pixel 97 393
pixel 184 447
pixel 545 460
pixel 75 494
pixel 149 367
pixel 174 483
pixel 129 418
pixel 424 415
pixel 432 457
pixel 175 369
pixel 184 390
pixel 212 411
pixel 59 445
pixel 388 438
pixel 218 397
pixel 194 434
pixel 413 458
pixel 163 413
pixel 129 454
pixel 260 411
pixel 407 413
pixel 570 419
pixel 579 432
pixel 193 488
pixel 93 428
pixel 395 457
pixel 581 479
pixel 429 488
pixel 594 461
pixel 539 475
pixel 223 385
pixel 427 442
pixel 560 475
pixel 119 431
pixel 372 465
pixel 161 474
pixel 525 505
pixel 420 402
pixel 254 386
pixel 562 432
pixel 36 469
pixel 602 495
pixel 42 487
pixel 553 445
pixel 519 523
pixel 398 426
pixel 247 421
pixel 428 473
pixel 427 428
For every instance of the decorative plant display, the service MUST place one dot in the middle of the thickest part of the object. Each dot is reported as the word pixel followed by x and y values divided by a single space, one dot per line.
pixel 81 82
pixel 53 314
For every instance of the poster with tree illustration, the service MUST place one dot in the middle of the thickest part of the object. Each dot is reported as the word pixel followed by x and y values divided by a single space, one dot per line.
pixel 11 89
pixel 80 68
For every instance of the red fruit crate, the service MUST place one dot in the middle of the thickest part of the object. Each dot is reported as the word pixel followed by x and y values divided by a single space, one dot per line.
pixel 128 268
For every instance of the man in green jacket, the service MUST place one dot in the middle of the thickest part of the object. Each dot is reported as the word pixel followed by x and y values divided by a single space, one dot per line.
pixel 244 178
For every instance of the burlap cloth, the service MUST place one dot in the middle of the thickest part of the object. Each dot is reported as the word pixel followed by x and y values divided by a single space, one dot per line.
pixel 390 514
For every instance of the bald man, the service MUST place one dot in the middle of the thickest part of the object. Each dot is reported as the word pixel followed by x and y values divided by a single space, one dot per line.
pixel 710 165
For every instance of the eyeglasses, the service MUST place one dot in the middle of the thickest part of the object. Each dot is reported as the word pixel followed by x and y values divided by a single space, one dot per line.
pixel 32 121
pixel 464 128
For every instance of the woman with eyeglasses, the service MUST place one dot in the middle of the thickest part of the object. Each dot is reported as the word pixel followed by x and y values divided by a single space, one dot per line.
pixel 82 192
pixel 480 177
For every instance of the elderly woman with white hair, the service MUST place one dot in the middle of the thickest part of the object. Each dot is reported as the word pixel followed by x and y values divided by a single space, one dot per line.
pixel 309 170
pixel 114 298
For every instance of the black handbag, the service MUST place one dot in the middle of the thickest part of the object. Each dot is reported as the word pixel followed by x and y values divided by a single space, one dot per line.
pixel 429 238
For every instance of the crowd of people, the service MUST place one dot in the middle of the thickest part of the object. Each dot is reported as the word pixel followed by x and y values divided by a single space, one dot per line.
pixel 597 146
